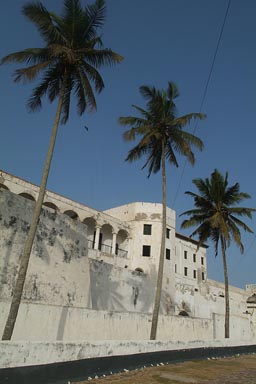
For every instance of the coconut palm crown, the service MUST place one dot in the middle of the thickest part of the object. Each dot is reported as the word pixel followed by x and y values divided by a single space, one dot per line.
pixel 161 138
pixel 159 126
pixel 69 60
pixel 217 217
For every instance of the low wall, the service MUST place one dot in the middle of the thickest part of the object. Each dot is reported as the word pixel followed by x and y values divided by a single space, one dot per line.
pixel 240 327
pixel 18 354
pixel 76 324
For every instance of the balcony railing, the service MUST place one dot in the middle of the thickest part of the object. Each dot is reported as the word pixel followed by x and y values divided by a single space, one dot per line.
pixel 108 249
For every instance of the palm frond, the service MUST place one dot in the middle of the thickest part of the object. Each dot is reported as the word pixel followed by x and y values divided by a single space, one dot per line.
pixel 172 90
pixel 30 73
pixel 39 15
pixel 99 58
pixel 93 75
pixel 28 56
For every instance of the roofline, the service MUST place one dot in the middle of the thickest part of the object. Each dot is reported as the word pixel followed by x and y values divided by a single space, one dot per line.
pixel 187 238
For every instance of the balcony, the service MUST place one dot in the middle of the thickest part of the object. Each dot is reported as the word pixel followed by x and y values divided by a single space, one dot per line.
pixel 104 248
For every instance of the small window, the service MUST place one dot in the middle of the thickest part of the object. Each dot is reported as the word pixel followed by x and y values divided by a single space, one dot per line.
pixel 168 254
pixel 168 233
pixel 194 257
pixel 202 261
pixel 147 229
pixel 146 250
pixel 175 268
pixel 185 254
pixel 185 271
pixel 194 273
pixel 203 276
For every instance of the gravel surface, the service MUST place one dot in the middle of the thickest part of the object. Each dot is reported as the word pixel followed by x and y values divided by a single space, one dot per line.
pixel 235 370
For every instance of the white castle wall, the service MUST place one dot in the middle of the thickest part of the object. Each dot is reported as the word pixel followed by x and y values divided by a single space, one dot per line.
pixel 72 292
pixel 50 323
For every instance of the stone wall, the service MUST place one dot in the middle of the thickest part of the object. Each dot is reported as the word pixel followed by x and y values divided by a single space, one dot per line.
pixel 77 324
pixel 70 296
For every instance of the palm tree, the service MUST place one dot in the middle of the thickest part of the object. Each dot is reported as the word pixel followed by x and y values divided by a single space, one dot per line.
pixel 68 64
pixel 216 217
pixel 162 136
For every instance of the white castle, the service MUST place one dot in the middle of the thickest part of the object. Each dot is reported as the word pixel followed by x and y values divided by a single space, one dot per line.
pixel 92 274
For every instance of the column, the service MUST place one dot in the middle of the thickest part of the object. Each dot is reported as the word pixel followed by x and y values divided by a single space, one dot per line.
pixel 113 251
pixel 97 236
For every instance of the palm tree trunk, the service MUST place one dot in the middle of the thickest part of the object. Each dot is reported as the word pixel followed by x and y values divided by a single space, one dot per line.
pixel 162 254
pixel 226 288
pixel 18 288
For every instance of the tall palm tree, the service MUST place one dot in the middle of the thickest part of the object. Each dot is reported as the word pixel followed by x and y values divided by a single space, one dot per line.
pixel 162 136
pixel 216 217
pixel 68 64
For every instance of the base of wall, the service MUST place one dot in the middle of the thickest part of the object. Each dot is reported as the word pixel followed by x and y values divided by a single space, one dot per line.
pixel 83 360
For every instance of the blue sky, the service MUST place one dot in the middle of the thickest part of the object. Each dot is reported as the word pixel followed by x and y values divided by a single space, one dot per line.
pixel 160 40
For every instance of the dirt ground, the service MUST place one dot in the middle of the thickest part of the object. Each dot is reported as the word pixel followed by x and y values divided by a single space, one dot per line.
pixel 235 370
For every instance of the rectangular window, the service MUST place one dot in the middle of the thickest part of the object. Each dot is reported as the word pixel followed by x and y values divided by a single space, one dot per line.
pixel 168 233
pixel 194 273
pixel 147 229
pixel 194 257
pixel 168 254
pixel 185 271
pixel 175 268
pixel 202 261
pixel 203 276
pixel 185 254
pixel 146 250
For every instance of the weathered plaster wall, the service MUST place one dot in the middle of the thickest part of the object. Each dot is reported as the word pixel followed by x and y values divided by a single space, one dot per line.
pixel 76 324
pixel 13 354
pixel 58 270
pixel 137 215
pixel 63 284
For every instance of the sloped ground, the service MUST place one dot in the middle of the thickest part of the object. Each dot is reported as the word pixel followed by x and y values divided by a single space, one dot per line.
pixel 235 370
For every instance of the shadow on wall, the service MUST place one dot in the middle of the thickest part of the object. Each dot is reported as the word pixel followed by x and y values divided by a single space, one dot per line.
pixel 58 240
pixel 117 289
pixel 105 288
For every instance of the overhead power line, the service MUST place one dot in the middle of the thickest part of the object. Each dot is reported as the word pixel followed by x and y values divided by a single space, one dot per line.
pixel 204 94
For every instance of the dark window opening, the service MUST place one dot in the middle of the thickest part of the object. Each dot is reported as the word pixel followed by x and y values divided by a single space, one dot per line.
pixel 147 229
pixel 168 233
pixel 185 254
pixel 194 274
pixel 194 257
pixel 203 276
pixel 183 313
pixel 100 242
pixel 146 250
pixel 202 261
pixel 168 254
pixel 185 271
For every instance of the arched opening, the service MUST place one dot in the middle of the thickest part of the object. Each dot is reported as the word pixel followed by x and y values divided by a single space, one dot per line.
pixel 4 186
pixel 73 215
pixel 140 270
pixel 183 313
pixel 27 196
pixel 105 240
pixel 91 231
pixel 251 299
pixel 122 243
pixel 51 205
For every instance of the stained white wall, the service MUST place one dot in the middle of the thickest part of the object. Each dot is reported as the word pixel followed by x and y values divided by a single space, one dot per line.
pixel 13 354
pixel 65 281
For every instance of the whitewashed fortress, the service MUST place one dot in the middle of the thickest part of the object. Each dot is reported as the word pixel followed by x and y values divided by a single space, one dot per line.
pixel 92 274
